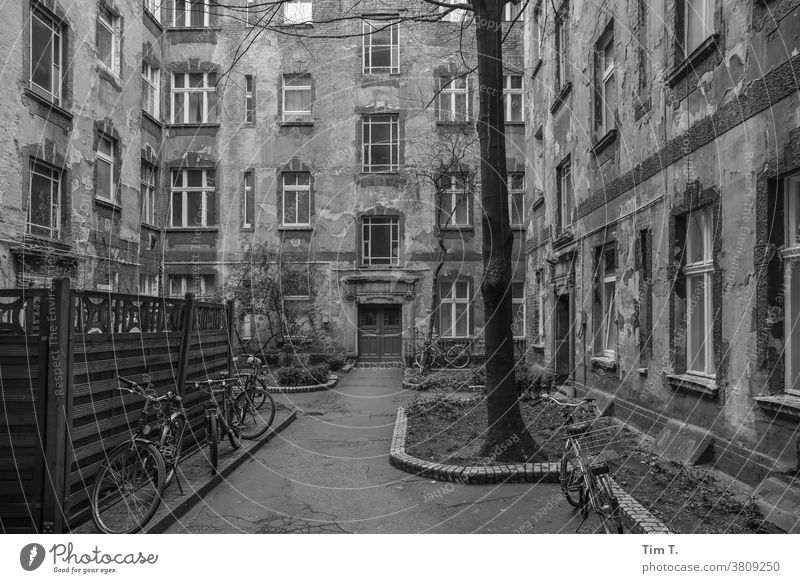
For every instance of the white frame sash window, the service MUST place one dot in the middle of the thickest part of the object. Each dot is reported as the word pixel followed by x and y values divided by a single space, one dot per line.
pixel 513 99
pixel 698 270
pixel 180 285
pixel 516 198
pixel 608 304
pixel 453 99
pixel 194 98
pixel 561 49
pixel 698 23
pixel 380 43
pixel 148 193
pixel 607 90
pixel 45 194
pixel 193 14
pixel 296 210
pixel 380 234
pixel 297 92
pixel 248 202
pixel 108 40
pixel 381 142
pixel 453 15
pixel 454 308
pixel 455 195
pixel 791 285
pixel 151 89
pixel 191 188
pixel 148 284
pixel 104 160
pixel 153 7
pixel 564 179
pixel 298 12
pixel 46 55
pixel 511 11
pixel 249 99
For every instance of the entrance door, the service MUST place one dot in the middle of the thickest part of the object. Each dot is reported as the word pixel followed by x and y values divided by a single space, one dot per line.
pixel 563 336
pixel 380 332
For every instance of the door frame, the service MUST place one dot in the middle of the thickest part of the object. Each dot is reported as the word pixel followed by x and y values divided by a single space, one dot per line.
pixel 381 357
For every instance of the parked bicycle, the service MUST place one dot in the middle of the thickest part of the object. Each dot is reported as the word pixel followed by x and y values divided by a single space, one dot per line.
pixel 129 486
pixel 589 440
pixel 257 405
pixel 221 419
pixel 432 353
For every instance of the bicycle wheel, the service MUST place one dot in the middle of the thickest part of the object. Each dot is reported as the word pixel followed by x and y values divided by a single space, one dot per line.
pixel 570 478
pixel 127 489
pixel 263 397
pixel 458 356
pixel 610 513
pixel 234 426
pixel 423 359
pixel 255 419
pixel 212 437
pixel 172 447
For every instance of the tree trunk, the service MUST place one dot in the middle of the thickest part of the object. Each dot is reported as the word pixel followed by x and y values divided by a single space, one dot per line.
pixel 507 438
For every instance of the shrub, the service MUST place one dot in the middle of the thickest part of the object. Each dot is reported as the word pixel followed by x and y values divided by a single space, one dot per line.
pixel 533 379
pixel 296 375
pixel 444 380
pixel 336 362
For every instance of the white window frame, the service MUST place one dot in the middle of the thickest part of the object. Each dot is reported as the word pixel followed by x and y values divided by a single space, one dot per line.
pixel 54 177
pixel 184 92
pixel 298 12
pixel 367 225
pixel 449 302
pixel 541 294
pixel 538 30
pixel 520 194
pixel 509 94
pixel 147 189
pixel 517 303
pixel 295 191
pixel 249 99
pixel 704 269
pixel 109 21
pixel 151 80
pixel 187 283
pixel 450 90
pixel 187 15
pixel 296 116
pixel 367 122
pixel 563 44
pixel 510 11
pixel 368 30
pixel 103 157
pixel 704 12
pixel 148 284
pixel 185 190
pixel 608 305
pixel 56 59
pixel 454 15
pixel 456 192
pixel 250 16
pixel 791 264
pixel 248 192
pixel 565 187
pixel 153 7
pixel 606 109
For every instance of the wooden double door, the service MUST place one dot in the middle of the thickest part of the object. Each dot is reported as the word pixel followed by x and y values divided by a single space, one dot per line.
pixel 380 332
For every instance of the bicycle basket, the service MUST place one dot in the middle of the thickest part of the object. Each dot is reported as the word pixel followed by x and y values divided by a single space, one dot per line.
pixel 598 439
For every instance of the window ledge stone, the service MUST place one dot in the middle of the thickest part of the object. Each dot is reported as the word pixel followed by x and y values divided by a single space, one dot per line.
pixel 563 238
pixel 538 346
pixel 691 62
pixel 107 203
pixel 295 123
pixel 704 386
pixel 783 405
pixel 192 229
pixel 295 228
pixel 604 362
pixel 54 108
pixel 562 95
pixel 604 142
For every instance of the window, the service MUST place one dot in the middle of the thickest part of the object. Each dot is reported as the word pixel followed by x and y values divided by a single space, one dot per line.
pixel 454 320
pixel 453 15
pixel 643 9
pixel 562 44
pixel 698 23
pixel 518 301
pixel 564 193
pixel 605 305
pixel 194 98
pixel 513 98
pixel 191 14
pixel 380 137
pixel 199 285
pixel 297 98
pixel 104 169
pixel 148 284
pixel 192 198
pixel 380 237
pixel 605 92
pixel 47 56
pixel 108 40
pixel 453 99
pixel 381 47
pixel 697 270
pixel 296 199
pixel 295 12
pixel 154 8
pixel 248 208
pixel 514 11
pixel 44 205
pixel 538 31
pixel 455 202
pixel 791 274
pixel 251 15
pixel 151 90
pixel 516 200
pixel 148 193
pixel 541 294
pixel 249 100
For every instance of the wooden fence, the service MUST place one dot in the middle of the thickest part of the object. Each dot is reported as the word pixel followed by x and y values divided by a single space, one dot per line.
pixel 60 353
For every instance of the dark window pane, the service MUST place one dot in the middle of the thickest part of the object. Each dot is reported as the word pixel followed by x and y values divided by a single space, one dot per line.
pixel 41 54
pixel 177 209
pixel 195 208
pixel 103 188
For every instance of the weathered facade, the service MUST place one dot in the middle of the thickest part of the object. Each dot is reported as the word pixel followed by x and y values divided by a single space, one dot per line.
pixel 664 141
pixel 181 136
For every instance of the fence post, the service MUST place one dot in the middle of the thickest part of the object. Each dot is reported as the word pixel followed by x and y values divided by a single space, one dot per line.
pixel 186 342
pixel 59 391
pixel 229 322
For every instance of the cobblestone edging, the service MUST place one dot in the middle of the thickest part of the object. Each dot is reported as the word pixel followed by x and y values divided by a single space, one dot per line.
pixel 409 386
pixel 635 517
pixel 305 388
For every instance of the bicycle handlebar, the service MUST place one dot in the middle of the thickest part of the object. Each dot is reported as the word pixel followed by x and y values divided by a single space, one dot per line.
pixel 585 401
pixel 136 388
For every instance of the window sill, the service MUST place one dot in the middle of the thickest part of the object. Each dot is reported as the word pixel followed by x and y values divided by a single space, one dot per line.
pixel 154 20
pixel 192 229
pixel 192 125
pixel 453 123
pixel 515 123
pixel 704 386
pixel 380 267
pixel 107 203
pixel 539 346
pixel 295 123
pixel 691 62
pixel 563 237
pixel 518 227
pixel 380 173
pixel 562 95
pixel 150 226
pixel 192 28
pixel 152 118
pixel 782 405
pixel 107 74
pixel 456 228
pixel 604 362
pixel 604 142
pixel 48 104
pixel 290 228
pixel 537 202
pixel 536 66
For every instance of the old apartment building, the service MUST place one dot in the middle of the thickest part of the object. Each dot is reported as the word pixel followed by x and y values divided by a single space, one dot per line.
pixel 665 143
pixel 147 144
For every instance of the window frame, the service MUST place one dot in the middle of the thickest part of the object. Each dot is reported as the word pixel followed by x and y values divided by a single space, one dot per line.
pixel 248 200
pixel 57 38
pixel 55 177
pixel 151 80
pixel 187 15
pixel 185 190
pixel 707 24
pixel 297 190
pixel 297 116
pixel 300 7
pixel 456 15
pixel 449 302
pixel 148 281
pixel 366 226
pixel 703 268
pixel 606 74
pixel 187 282
pixel 367 122
pixel 516 302
pixel 510 11
pixel 608 306
pixel 101 156
pixel 790 256
pixel 562 45
pixel 508 97
pixel 185 92
pixel 564 207
pixel 148 190
pixel 153 8
pixel 368 29
pixel 455 197
pixel 540 299
pixel 518 193
pixel 449 92
pixel 249 100
pixel 249 13
pixel 111 23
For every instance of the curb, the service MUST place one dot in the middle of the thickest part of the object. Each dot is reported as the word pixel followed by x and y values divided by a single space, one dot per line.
pixel 635 517
pixel 304 388
pixel 198 494
pixel 409 386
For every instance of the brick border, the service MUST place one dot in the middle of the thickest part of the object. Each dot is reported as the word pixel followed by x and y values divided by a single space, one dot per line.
pixel 635 517
pixel 304 388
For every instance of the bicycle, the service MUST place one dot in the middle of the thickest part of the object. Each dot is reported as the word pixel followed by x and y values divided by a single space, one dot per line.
pixel 257 405
pixel 129 486
pixel 225 419
pixel 457 356
pixel 584 472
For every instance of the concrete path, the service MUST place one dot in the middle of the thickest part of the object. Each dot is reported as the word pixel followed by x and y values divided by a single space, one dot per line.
pixel 329 472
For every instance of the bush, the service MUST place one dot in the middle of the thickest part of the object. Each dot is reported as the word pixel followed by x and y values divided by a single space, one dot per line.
pixel 447 380
pixel 534 379
pixel 296 376
pixel 336 362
